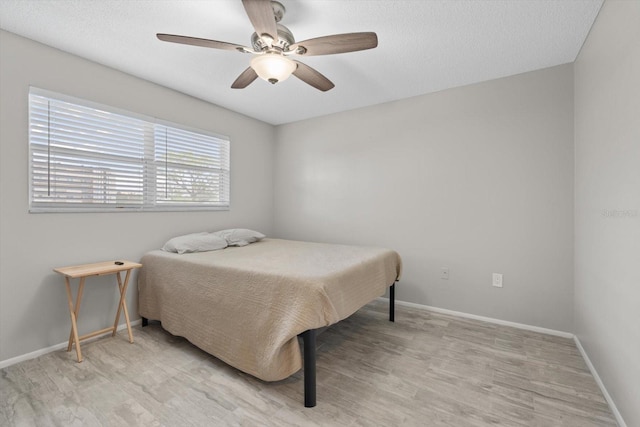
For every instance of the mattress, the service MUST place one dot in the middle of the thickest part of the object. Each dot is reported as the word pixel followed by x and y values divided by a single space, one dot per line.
pixel 247 305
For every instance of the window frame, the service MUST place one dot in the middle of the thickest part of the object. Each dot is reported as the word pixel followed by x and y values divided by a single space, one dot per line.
pixel 149 163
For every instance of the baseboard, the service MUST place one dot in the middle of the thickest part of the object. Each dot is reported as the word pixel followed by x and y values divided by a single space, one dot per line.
pixel 34 354
pixel 603 389
pixel 485 319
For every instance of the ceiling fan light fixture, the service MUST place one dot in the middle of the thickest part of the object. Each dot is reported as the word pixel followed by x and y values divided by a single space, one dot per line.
pixel 273 67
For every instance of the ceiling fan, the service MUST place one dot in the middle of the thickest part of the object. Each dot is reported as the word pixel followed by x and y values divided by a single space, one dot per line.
pixel 273 44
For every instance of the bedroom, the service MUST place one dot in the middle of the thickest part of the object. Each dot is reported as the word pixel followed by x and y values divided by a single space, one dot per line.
pixel 471 179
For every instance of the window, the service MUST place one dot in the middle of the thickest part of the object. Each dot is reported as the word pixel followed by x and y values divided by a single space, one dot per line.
pixel 89 157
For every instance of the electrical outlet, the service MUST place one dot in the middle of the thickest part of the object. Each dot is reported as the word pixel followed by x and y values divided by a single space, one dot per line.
pixel 497 280
pixel 444 273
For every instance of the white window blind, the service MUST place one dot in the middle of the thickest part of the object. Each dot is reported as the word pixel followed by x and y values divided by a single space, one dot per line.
pixel 190 168
pixel 88 157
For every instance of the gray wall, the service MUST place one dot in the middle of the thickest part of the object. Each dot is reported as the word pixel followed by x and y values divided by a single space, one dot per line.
pixel 607 203
pixel 477 179
pixel 33 308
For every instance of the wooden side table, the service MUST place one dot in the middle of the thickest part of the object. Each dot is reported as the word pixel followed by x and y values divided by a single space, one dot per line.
pixel 98 269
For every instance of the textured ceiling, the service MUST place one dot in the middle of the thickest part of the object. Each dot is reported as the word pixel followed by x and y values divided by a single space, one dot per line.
pixel 424 46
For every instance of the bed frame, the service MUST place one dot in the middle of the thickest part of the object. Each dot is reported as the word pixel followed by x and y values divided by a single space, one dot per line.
pixel 309 353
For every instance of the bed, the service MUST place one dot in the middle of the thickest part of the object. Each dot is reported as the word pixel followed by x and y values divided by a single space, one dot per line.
pixel 247 305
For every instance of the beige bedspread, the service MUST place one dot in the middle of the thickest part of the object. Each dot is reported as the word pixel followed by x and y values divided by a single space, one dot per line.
pixel 247 305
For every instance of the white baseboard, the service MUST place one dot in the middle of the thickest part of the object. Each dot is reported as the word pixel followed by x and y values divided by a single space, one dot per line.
pixel 603 389
pixel 34 354
pixel 485 319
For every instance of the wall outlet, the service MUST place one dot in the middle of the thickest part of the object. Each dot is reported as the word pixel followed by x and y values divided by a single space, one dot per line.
pixel 497 280
pixel 444 273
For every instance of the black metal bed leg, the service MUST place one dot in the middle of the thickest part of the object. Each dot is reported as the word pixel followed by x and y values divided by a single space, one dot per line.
pixel 309 342
pixel 145 321
pixel 392 303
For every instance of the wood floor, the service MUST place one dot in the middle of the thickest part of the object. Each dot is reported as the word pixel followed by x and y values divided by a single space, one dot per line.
pixel 426 369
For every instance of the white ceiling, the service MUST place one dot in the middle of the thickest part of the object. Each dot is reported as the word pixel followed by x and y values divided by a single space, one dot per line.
pixel 424 45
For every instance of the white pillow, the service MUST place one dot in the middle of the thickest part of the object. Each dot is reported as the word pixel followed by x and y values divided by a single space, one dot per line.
pixel 240 236
pixel 196 242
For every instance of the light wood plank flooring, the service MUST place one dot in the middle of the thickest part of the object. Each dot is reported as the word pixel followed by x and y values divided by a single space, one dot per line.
pixel 426 369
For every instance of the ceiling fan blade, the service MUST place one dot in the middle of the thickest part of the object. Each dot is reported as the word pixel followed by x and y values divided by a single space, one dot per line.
pixel 312 77
pixel 260 14
pixel 337 43
pixel 245 79
pixel 194 41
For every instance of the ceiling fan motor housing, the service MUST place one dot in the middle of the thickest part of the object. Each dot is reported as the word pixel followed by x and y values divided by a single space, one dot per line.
pixel 285 39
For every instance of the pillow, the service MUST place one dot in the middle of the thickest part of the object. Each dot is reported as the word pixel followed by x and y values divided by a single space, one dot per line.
pixel 240 236
pixel 196 242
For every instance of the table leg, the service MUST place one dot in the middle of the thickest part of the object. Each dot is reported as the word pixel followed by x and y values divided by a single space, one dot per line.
pixel 123 305
pixel 115 324
pixel 76 309
pixel 73 312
